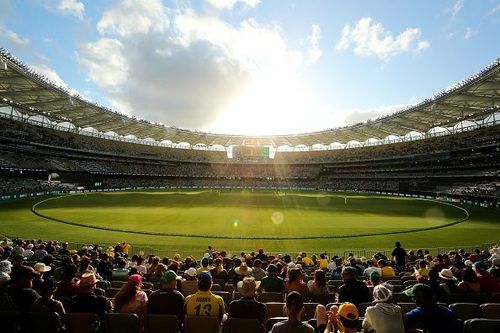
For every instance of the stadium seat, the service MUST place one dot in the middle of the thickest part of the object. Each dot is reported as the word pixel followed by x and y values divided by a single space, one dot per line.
pixel 270 297
pixel 82 322
pixel 103 284
pixel 406 306
pixel 490 310
pixel 271 321
pixel 197 324
pixel 478 298
pixel 362 308
pixel 229 288
pixel 401 297
pixel 465 311
pixel 161 323
pixel 226 296
pixel 409 283
pixel 239 325
pixel 275 309
pixel 122 323
pixel 148 285
pixel 479 325
pixel 309 310
pixel 44 322
pixel 111 292
pixel 323 298
pixel 220 282
pixel 117 284
pixel 11 321
pixel 215 287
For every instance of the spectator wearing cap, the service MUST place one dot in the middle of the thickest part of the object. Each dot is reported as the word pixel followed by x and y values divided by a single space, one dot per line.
pixel 469 283
pixel 131 299
pixel 219 272
pixel 399 256
pixel 47 303
pixel 247 306
pixel 387 272
pixel 19 295
pixel 295 283
pixel 87 301
pixel 294 309
pixel 167 300
pixel 189 284
pixel 5 269
pixel 384 316
pixel 204 266
pixel 488 283
pixel 352 290
pixel 204 302
pixel 429 316
pixel 272 282
pixel 343 318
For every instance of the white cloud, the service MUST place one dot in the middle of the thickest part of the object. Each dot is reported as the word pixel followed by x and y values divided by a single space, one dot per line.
pixel 457 7
pixel 50 74
pixel 131 17
pixel 469 33
pixel 104 61
pixel 314 52
pixel 370 38
pixel 13 37
pixel 196 69
pixel 494 10
pixel 229 4
pixel 71 7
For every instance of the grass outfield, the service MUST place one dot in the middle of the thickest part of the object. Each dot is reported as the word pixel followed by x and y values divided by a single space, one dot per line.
pixel 322 221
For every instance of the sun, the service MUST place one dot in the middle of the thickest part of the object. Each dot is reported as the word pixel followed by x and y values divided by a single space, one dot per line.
pixel 267 104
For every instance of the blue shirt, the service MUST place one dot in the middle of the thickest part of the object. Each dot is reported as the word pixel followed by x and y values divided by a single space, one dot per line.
pixel 434 319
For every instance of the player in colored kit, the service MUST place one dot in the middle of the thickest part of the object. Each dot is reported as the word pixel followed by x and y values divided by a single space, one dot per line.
pixel 203 302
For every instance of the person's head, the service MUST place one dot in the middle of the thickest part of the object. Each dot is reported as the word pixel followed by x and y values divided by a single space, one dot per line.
pixel 248 286
pixel 375 278
pixel 204 262
pixel 294 305
pixel 204 281
pixel 190 273
pixel 294 275
pixel 480 267
pixel 468 275
pixel 381 294
pixel 120 263
pixel 422 264
pixel 381 263
pixel 398 244
pixel 257 263
pixel 169 280
pixel 422 294
pixel 433 274
pixel 87 283
pixel 47 288
pixel 5 266
pixel 349 315
pixel 348 273
pixel 23 276
pixel 338 262
pixel 447 276
pixel 320 278
pixel 272 269
pixel 128 291
pixel 70 272
pixel 140 260
pixel 261 251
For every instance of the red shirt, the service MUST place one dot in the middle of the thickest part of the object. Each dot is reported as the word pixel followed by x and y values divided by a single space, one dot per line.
pixel 488 283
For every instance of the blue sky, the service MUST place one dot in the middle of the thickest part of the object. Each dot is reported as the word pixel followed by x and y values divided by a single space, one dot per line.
pixel 250 66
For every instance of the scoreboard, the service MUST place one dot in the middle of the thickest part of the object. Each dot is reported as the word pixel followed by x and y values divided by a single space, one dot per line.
pixel 253 153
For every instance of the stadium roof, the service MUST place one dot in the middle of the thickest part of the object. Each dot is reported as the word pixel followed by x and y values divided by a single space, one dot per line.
pixel 472 99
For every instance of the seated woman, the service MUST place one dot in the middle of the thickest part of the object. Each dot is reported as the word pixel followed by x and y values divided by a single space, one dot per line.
pixel 130 298
pixel 295 283
pixel 294 310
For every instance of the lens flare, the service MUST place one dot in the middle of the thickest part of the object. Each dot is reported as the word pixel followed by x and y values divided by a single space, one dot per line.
pixel 277 217
pixel 236 222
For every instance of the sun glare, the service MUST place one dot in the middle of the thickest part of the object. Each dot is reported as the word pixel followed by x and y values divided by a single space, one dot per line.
pixel 268 104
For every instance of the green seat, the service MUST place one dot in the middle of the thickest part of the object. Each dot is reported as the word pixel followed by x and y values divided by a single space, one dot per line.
pixel 490 310
pixel 161 323
pixel 11 321
pixel 275 309
pixel 122 323
pixel 239 325
pixel 44 322
pixel 205 324
pixel 465 311
pixel 82 322
pixel 482 325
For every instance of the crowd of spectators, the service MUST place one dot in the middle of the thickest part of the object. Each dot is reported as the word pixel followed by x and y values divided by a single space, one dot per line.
pixel 348 293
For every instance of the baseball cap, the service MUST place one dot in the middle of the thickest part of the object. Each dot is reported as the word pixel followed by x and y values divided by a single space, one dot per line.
pixel 419 289
pixel 205 276
pixel 137 278
pixel 348 311
pixel 170 276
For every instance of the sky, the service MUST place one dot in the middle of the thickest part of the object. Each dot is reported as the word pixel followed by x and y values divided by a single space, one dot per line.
pixel 253 66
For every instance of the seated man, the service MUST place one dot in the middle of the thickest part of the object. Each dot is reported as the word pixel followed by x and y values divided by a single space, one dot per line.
pixel 87 301
pixel 168 300
pixel 203 302
pixel 294 309
pixel 352 290
pixel 247 306
pixel 387 271
pixel 429 316
pixel 272 282
pixel 19 295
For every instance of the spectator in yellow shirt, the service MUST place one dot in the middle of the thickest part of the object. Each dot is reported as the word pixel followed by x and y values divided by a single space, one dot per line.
pixel 387 271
